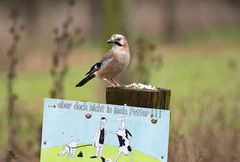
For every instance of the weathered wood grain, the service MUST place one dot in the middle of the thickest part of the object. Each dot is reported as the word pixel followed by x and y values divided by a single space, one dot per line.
pixel 159 98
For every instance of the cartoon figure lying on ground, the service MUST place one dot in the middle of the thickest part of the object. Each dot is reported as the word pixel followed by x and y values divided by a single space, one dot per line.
pixel 99 139
pixel 70 149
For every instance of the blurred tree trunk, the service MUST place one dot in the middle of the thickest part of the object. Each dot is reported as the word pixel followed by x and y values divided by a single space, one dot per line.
pixel 236 6
pixel 170 20
pixel 112 17
pixel 96 16
pixel 30 8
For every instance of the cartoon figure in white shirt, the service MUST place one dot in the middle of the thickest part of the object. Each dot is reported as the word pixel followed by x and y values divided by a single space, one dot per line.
pixel 99 139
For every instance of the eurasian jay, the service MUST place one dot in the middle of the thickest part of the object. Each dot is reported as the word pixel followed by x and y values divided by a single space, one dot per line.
pixel 112 63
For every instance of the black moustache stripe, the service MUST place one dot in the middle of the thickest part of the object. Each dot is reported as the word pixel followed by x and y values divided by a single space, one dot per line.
pixel 117 43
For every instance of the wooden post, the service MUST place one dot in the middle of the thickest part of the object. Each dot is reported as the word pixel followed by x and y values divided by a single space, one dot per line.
pixel 159 98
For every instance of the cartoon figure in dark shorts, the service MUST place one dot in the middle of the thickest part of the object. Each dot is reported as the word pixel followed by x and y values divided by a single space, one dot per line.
pixel 99 139
pixel 124 138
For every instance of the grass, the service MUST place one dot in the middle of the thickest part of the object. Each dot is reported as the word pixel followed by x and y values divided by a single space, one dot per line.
pixel 190 75
pixel 204 79
pixel 51 154
pixel 195 78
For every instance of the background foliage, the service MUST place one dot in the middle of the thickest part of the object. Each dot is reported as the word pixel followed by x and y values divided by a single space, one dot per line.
pixel 188 46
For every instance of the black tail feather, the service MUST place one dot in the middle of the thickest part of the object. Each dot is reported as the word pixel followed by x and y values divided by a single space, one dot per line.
pixel 85 80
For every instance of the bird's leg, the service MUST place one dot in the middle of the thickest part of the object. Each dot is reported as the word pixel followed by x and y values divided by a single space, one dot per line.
pixel 115 82
pixel 109 82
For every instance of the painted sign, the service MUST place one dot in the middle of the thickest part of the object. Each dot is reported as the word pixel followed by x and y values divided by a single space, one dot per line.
pixel 75 131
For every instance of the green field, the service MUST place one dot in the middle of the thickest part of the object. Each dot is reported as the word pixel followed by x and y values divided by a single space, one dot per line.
pixel 200 81
pixel 203 76
pixel 48 155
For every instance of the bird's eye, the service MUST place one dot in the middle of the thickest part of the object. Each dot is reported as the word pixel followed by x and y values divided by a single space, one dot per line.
pixel 118 39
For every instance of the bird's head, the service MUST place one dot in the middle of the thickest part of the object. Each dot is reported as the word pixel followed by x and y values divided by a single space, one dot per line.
pixel 118 41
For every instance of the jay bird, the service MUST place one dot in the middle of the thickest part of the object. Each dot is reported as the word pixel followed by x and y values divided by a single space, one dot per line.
pixel 112 63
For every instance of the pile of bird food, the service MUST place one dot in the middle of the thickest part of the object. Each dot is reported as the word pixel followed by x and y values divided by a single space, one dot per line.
pixel 140 86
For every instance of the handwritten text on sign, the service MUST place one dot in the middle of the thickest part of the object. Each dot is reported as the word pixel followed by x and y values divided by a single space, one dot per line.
pixel 94 107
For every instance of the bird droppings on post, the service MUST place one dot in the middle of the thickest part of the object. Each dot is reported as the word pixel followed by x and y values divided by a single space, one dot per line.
pixel 141 86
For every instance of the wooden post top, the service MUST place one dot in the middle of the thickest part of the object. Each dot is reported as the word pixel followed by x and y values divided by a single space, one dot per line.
pixel 150 98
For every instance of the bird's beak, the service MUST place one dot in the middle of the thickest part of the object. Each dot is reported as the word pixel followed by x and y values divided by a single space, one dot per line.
pixel 110 41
